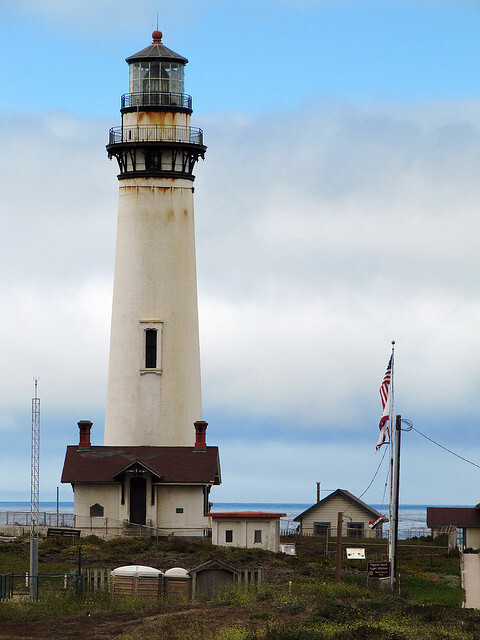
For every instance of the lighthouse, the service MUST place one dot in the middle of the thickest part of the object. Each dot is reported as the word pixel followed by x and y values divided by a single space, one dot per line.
pixel 155 468
pixel 154 389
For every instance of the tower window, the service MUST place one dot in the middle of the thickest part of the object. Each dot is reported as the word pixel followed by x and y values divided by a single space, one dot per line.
pixel 150 348
pixel 153 160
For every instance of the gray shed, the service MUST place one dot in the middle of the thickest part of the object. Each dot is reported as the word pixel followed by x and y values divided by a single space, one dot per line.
pixel 211 577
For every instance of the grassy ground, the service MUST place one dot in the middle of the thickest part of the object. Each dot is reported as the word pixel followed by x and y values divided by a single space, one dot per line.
pixel 299 601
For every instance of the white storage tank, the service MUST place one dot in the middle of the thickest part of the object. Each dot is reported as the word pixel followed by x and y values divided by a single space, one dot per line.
pixel 178 581
pixel 137 580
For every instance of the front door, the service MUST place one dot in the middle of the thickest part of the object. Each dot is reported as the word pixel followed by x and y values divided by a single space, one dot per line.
pixel 138 500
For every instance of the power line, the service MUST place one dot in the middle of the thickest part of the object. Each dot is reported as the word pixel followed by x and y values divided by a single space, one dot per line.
pixel 412 428
pixel 371 481
pixel 374 475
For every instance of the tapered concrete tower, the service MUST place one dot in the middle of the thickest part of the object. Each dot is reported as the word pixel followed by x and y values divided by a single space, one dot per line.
pixel 155 470
pixel 154 388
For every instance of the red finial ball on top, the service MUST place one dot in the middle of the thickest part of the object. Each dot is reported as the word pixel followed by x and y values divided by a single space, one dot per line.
pixel 157 36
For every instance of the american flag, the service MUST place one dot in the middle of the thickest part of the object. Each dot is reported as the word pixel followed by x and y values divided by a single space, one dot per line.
pixel 374 523
pixel 385 397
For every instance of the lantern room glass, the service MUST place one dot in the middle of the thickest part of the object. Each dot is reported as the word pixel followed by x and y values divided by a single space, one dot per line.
pixel 156 77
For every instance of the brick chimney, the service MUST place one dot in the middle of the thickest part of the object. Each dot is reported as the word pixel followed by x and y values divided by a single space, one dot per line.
pixel 200 435
pixel 85 427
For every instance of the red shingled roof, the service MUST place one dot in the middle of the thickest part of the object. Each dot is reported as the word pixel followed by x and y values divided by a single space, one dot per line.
pixel 456 516
pixel 170 464
pixel 244 515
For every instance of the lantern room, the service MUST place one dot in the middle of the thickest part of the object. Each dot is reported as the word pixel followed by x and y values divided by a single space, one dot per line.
pixel 156 77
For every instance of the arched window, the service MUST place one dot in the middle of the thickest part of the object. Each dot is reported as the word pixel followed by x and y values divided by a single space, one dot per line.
pixel 96 510
pixel 150 348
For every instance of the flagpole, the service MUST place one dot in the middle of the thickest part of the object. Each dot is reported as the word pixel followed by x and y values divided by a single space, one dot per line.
pixel 396 490
pixel 392 388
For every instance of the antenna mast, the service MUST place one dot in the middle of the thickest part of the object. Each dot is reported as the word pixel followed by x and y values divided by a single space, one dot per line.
pixel 34 493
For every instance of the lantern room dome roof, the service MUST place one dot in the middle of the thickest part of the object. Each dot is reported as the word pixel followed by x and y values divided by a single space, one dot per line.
pixel 156 51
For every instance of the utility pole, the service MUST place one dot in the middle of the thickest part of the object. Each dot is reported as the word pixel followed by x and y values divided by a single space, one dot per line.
pixel 339 546
pixel 34 493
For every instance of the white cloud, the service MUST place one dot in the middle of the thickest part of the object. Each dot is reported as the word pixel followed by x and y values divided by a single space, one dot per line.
pixel 58 222
pixel 92 18
pixel 322 234
pixel 265 471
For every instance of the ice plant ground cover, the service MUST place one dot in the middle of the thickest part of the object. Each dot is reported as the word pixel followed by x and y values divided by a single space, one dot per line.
pixel 299 600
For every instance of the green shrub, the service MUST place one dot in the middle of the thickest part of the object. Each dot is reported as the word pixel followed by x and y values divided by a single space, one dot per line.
pixel 290 606
pixel 293 634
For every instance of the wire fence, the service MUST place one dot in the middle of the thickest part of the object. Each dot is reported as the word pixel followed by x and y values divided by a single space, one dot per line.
pixel 108 526
pixel 23 519
pixel 64 524
pixel 18 584
pixel 290 527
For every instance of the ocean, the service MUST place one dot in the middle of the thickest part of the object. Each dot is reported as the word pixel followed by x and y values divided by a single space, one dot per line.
pixel 412 518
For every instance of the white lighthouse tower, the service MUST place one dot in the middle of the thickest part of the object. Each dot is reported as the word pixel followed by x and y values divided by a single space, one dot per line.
pixel 154 389
pixel 155 470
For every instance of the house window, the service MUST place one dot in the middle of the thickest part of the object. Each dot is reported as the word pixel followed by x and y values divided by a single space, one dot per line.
pixel 206 503
pixel 150 348
pixel 355 530
pixel 229 535
pixel 179 510
pixel 257 538
pixel 321 529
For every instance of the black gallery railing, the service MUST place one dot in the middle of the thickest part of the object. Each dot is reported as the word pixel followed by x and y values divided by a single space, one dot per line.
pixel 155 133
pixel 154 99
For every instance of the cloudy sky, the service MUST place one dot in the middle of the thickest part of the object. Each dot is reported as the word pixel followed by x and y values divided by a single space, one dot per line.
pixel 337 210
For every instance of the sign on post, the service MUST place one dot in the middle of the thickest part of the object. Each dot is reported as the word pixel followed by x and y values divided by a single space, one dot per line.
pixel 356 554
pixel 379 569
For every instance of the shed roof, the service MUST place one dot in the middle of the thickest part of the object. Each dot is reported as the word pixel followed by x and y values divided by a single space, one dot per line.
pixel 136 570
pixel 456 516
pixel 217 564
pixel 176 572
pixel 170 464
pixel 348 496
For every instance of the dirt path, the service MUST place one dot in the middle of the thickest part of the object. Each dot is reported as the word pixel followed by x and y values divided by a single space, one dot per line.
pixel 111 625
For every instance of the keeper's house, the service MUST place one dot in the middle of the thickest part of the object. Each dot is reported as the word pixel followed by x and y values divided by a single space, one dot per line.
pixel 358 520
pixel 160 491
pixel 461 524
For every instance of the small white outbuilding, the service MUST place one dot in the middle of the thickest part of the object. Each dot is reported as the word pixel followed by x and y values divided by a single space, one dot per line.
pixel 250 529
